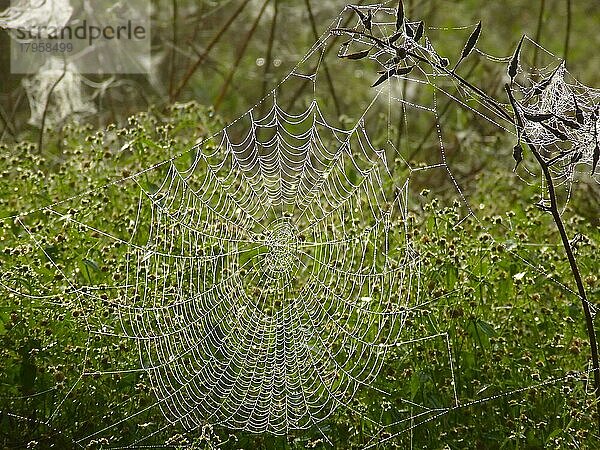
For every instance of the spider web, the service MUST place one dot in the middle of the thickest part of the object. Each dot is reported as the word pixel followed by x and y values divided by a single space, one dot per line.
pixel 569 139
pixel 270 275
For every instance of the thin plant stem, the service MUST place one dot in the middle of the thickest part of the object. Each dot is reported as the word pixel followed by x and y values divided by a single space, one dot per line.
pixel 5 125
pixel 490 101
pixel 221 96
pixel 46 106
pixel 568 30
pixel 269 55
pixel 305 81
pixel 11 118
pixel 174 27
pixel 192 69
pixel 538 30
pixel 313 25
pixel 443 112
pixel 589 320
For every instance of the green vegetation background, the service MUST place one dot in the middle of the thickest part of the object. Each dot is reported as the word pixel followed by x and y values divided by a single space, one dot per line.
pixel 508 325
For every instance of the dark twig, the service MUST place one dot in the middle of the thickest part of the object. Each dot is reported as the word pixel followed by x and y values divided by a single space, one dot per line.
pixel 490 101
pixel 553 209
pixel 401 119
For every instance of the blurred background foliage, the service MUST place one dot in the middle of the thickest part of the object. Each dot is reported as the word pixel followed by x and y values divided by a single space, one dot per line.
pixel 230 53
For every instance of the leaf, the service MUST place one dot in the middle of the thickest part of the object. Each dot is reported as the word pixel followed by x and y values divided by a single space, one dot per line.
pixel 403 70
pixel 538 117
pixel 542 85
pixel 517 155
pixel 392 72
pixel 364 18
pixel 28 374
pixel 514 62
pixel 472 41
pixel 361 15
pixel 451 276
pixel 419 32
pixel 559 134
pixel 382 78
pixel 576 157
pixel 479 332
pixel 570 123
pixel 394 37
pixel 391 63
pixel 368 23
pixel 91 264
pixel 415 385
pixel 557 432
pixel 357 55
pixel 399 71
pixel 486 328
pixel 409 31
pixel 399 16
pixel 470 45
pixel 578 111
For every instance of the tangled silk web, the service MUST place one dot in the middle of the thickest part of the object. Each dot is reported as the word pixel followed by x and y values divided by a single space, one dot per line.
pixel 27 13
pixel 270 268
pixel 562 117
pixel 68 99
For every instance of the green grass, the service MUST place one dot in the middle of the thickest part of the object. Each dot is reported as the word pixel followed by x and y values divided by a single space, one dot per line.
pixel 511 330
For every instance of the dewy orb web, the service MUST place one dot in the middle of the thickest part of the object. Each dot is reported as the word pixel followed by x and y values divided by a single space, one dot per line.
pixel 271 273
pixel 266 285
